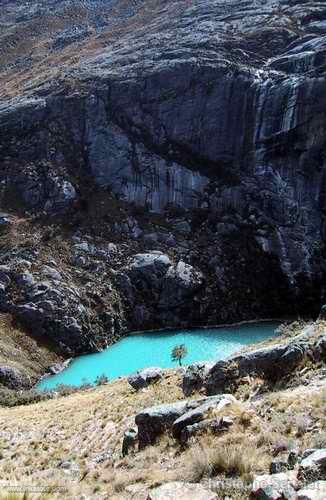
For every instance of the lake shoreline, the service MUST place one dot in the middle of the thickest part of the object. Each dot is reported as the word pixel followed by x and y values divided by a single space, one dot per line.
pixel 210 327
pixel 191 331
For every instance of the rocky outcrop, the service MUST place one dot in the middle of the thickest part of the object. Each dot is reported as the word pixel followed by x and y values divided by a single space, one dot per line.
pixel 271 363
pixel 49 308
pixel 227 125
pixel 212 425
pixel 152 422
pixel 145 377
pixel 197 414
pixel 157 288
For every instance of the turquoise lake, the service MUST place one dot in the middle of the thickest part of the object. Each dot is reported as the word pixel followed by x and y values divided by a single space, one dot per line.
pixel 143 350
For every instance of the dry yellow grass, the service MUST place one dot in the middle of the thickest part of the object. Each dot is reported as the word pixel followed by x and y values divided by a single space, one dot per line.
pixel 35 439
pixel 83 426
pixel 86 429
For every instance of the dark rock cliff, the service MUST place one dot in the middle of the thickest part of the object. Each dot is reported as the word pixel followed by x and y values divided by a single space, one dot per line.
pixel 213 112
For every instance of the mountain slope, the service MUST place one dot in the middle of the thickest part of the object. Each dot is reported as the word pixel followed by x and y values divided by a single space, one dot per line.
pixel 191 128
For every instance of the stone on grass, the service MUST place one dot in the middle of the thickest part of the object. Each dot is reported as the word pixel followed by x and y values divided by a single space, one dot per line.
pixel 155 420
pixel 215 425
pixel 130 439
pixel 196 415
pixel 145 377
pixel 181 491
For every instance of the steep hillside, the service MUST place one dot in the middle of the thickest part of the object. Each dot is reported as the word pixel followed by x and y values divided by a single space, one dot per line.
pixel 195 129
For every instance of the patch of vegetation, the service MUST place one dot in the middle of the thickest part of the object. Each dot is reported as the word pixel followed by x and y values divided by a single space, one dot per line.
pixel 178 353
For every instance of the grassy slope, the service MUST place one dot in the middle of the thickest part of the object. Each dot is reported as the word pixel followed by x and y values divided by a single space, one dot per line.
pixel 21 351
pixel 84 425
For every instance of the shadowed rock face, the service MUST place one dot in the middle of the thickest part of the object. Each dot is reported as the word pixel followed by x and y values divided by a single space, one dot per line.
pixel 217 107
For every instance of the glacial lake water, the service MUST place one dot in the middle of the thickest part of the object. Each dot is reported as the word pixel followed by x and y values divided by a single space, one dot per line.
pixel 143 350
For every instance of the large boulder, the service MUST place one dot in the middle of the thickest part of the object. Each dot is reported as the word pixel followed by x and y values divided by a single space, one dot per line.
pixel 214 425
pixel 270 362
pixel 197 414
pixel 152 422
pixel 149 268
pixel 145 377
pixel 181 491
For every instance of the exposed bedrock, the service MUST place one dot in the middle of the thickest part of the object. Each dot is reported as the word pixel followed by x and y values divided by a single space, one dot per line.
pixel 272 363
pixel 210 110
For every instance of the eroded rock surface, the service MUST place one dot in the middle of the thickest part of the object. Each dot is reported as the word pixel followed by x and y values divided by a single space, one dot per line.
pixel 271 363
pixel 152 422
pixel 145 377
pixel 192 129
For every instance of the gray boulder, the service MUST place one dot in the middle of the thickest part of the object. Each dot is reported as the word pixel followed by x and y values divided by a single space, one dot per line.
pixel 145 377
pixel 215 425
pixel 197 414
pixel 271 362
pixel 180 283
pixel 153 421
pixel 143 276
pixel 152 280
pixel 150 265
pixel 194 377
